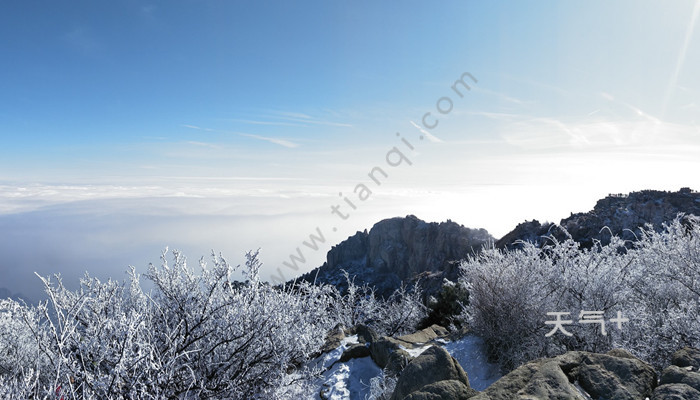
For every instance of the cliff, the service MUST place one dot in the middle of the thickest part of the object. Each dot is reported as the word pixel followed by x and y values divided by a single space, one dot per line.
pixel 400 249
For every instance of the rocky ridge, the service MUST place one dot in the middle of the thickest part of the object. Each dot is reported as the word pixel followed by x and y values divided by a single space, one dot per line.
pixel 399 250
pixel 616 214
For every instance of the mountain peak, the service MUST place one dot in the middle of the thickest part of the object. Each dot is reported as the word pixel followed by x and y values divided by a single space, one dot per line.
pixel 397 250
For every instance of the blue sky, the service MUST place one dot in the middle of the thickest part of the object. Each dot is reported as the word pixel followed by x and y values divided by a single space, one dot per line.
pixel 260 113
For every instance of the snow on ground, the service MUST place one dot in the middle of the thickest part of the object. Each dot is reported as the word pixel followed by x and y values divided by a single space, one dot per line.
pixel 348 380
pixel 416 351
pixel 470 351
pixel 326 360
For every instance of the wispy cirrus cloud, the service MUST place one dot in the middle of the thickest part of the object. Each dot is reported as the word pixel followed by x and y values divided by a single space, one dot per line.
pixel 278 141
pixel 427 134
pixel 281 142
pixel 289 118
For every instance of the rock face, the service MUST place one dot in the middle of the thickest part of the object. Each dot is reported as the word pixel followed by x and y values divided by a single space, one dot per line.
pixel 616 375
pixel 622 214
pixel 433 373
pixel 400 249
pixel 681 380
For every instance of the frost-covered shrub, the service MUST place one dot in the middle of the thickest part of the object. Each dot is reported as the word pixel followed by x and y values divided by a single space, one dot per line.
pixel 382 386
pixel 18 345
pixel 197 334
pixel 508 297
pixel 665 288
pixel 396 315
pixel 401 312
pixel 445 307
pixel 655 284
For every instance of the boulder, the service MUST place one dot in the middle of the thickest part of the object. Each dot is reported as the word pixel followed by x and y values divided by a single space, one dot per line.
pixel 550 382
pixel 450 389
pixel 616 375
pixel 675 391
pixel 333 338
pixel 432 366
pixel 382 348
pixel 606 376
pixel 355 351
pixel 541 379
pixel 676 374
pixel 687 357
pixel 424 335
pixel 365 334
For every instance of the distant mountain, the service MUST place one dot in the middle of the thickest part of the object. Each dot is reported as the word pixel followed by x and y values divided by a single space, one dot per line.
pixel 622 214
pixel 400 249
pixel 7 294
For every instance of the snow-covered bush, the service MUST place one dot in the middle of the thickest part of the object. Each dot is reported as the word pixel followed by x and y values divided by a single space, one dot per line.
pixel 197 334
pixel 655 284
pixel 396 315
pixel 381 387
pixel 665 289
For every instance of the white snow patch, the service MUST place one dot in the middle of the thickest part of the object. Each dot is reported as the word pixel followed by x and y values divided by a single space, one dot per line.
pixel 349 380
pixel 344 381
pixel 470 352
pixel 583 392
pixel 326 360
pixel 415 352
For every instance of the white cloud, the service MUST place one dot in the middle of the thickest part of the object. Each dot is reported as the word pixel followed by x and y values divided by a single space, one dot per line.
pixel 278 141
pixel 427 134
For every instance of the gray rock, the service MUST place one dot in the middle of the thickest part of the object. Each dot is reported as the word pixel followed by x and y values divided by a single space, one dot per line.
pixel 675 374
pixel 355 351
pixel 606 376
pixel 450 389
pixel 398 360
pixel 675 391
pixel 550 382
pixel 333 338
pixel 433 365
pixel 382 348
pixel 687 357
pixel 621 353
pixel 541 379
pixel 424 335
pixel 365 334
pixel 617 375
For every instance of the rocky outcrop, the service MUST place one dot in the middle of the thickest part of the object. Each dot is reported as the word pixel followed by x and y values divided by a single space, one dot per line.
pixel 355 351
pixel 575 375
pixel 433 373
pixel 388 354
pixel 399 250
pixel 622 214
pixel 681 380
pixel 675 392
pixel 449 389
pixel 687 357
